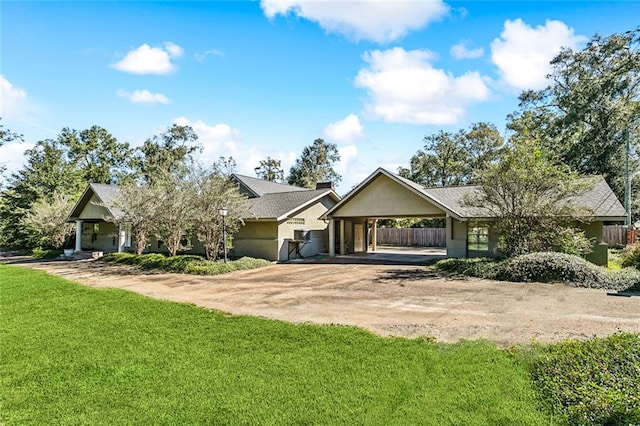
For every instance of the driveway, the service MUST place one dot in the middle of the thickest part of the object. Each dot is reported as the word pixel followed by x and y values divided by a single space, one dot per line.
pixel 390 300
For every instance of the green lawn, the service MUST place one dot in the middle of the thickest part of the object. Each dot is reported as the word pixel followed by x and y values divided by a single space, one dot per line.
pixel 77 355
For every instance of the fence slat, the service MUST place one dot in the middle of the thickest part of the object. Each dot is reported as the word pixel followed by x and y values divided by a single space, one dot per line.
pixel 616 235
pixel 419 237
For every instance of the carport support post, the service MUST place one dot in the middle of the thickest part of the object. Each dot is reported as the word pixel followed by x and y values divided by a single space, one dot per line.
pixel 121 238
pixel 374 235
pixel 78 236
pixel 343 249
pixel 332 238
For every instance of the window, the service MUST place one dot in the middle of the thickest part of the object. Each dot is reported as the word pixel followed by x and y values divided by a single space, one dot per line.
pixel 478 237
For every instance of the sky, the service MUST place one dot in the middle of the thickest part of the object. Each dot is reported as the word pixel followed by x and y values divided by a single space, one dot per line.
pixel 258 79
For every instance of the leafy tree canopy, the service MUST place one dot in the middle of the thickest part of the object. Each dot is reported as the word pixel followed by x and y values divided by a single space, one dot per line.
pixel 316 164
pixel 270 169
pixel 453 158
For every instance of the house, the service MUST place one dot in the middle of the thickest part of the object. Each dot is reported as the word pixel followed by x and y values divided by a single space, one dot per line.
pixel 282 222
pixel 382 195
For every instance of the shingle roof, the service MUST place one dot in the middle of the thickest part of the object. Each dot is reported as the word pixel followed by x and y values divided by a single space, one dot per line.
pixel 260 186
pixel 599 200
pixel 279 205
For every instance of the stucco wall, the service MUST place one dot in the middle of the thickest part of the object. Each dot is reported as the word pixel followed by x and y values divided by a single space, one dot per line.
pixel 456 238
pixel 319 242
pixel 93 211
pixel 384 197
pixel 257 239
pixel 600 253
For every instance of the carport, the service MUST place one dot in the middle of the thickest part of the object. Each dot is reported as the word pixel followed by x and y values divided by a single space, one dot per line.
pixel 384 195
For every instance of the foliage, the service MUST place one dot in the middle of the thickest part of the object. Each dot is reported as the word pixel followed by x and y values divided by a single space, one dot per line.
pixel 453 158
pixel 573 241
pixel 545 267
pixel 530 197
pixel 63 165
pixel 135 207
pixel 186 264
pixel 39 253
pixel 315 165
pixel 270 169
pixel 98 155
pixel 167 153
pixel 631 256
pixel 594 382
pixel 47 218
pixel 212 192
pixel 142 361
pixel 583 116
pixel 173 198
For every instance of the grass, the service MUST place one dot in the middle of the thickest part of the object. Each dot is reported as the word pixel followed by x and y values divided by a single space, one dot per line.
pixel 76 355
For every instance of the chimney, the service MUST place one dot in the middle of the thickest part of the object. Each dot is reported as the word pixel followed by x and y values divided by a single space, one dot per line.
pixel 325 185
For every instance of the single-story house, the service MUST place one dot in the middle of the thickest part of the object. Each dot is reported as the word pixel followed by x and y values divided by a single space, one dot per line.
pixel 382 195
pixel 282 222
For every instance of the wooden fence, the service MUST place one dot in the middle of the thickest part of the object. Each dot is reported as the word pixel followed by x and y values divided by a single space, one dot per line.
pixel 619 235
pixel 417 237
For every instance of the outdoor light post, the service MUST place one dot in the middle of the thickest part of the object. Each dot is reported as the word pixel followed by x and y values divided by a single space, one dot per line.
pixel 223 212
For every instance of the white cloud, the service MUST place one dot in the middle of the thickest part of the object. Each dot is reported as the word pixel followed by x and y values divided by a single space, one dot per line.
pixel 212 52
pixel 144 97
pixel 12 99
pixel 12 155
pixel 403 87
pixel 374 20
pixel 348 154
pixel 221 140
pixel 522 53
pixel 347 130
pixel 463 50
pixel 150 60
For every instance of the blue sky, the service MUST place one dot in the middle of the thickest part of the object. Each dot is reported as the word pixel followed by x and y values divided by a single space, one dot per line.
pixel 266 78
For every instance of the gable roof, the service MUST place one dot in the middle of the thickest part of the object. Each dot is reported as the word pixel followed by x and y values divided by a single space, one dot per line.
pixel 105 194
pixel 258 187
pixel 600 199
pixel 279 206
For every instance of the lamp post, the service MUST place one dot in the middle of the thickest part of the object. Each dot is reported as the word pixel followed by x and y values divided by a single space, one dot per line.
pixel 223 212
pixel 627 187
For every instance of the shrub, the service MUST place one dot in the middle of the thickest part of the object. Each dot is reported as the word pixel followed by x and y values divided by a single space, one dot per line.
pixel 188 264
pixel 594 382
pixel 573 241
pixel 546 267
pixel 39 253
pixel 631 256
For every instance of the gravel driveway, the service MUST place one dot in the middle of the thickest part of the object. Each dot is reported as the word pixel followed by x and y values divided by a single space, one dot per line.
pixel 398 300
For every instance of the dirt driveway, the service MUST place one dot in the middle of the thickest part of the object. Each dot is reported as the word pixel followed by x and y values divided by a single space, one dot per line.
pixel 397 300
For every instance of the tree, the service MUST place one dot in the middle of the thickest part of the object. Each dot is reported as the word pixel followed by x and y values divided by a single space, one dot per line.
pixel 94 151
pixel 584 115
pixel 530 196
pixel 167 152
pixel 315 165
pixel 136 207
pixel 214 191
pixel 173 195
pixel 47 218
pixel 270 169
pixel 453 158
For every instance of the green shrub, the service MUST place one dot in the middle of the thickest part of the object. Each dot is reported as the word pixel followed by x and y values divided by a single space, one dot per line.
pixel 39 253
pixel 480 267
pixel 631 256
pixel 573 241
pixel 546 267
pixel 188 264
pixel 179 263
pixel 595 382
